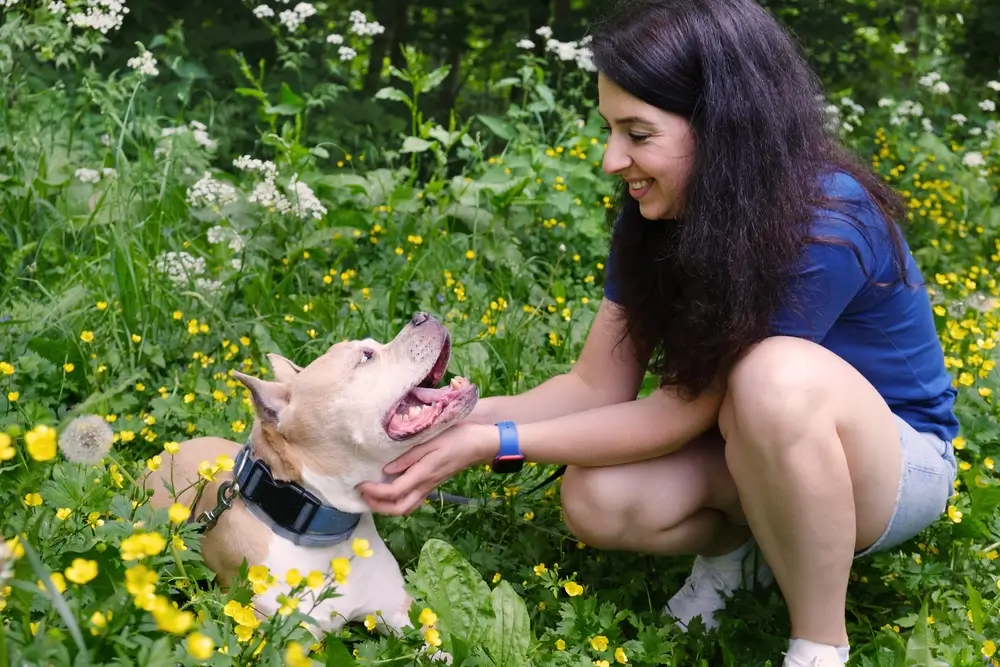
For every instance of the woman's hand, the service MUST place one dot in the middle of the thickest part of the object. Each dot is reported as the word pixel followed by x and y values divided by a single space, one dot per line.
pixel 426 466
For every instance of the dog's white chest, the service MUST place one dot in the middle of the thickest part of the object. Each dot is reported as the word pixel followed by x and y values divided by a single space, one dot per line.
pixel 374 584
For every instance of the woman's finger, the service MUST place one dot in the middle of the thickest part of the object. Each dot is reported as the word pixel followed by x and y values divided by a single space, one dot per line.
pixel 403 462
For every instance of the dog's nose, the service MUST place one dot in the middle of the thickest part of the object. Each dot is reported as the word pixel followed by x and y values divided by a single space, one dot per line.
pixel 419 319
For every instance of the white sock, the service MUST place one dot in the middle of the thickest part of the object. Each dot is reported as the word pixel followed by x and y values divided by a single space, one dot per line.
pixel 808 649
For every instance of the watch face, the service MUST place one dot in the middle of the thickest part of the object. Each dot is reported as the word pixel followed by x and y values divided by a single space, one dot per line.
pixel 508 463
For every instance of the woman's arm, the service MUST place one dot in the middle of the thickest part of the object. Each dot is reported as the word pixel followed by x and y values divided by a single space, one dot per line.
pixel 609 434
pixel 606 373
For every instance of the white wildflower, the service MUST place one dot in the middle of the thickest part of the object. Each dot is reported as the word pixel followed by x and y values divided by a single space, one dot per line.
pixel 973 159
pixel 910 108
pixel 101 15
pixel 8 3
pixel 929 79
pixel 940 88
pixel 210 193
pixel 334 39
pixel 525 44
pixel 306 203
pixel 885 102
pixel 585 59
pixel 959 118
pixel 360 25
pixel 180 267
pixel 207 286
pixel 57 7
pixel 86 440
pixel 545 32
pixel 6 565
pixel 263 11
pixel 900 48
pixel 988 105
pixel 975 131
pixel 565 50
pixel 290 19
pixel 266 194
pixel 927 124
pixel 87 175
pixel 144 63
pixel 347 53
pixel 305 10
pixel 993 85
pixel 265 167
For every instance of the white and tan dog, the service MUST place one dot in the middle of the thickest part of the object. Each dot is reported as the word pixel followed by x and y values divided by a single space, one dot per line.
pixel 327 428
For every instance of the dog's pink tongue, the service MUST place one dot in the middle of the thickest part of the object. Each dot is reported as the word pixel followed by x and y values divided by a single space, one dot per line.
pixel 428 396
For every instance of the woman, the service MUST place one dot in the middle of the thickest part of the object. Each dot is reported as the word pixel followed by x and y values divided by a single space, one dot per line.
pixel 804 404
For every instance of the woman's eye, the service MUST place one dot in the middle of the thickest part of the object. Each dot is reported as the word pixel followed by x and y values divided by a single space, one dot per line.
pixel 638 137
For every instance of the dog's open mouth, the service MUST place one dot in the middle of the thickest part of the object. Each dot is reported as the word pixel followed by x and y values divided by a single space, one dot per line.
pixel 423 405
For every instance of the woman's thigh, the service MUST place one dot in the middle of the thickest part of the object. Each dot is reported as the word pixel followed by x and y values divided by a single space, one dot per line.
pixel 789 395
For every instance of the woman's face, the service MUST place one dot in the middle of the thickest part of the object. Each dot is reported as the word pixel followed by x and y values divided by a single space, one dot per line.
pixel 651 149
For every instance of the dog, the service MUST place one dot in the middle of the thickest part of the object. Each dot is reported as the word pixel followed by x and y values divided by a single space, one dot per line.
pixel 319 431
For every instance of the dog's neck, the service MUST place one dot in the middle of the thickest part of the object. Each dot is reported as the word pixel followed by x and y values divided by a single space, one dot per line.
pixel 340 492
pixel 337 491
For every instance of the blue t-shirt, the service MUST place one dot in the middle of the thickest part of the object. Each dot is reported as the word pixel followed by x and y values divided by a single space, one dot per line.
pixel 886 333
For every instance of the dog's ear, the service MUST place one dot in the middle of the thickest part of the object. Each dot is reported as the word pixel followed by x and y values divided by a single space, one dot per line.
pixel 269 398
pixel 284 370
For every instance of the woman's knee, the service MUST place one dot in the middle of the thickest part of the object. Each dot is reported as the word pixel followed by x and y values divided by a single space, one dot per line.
pixel 592 509
pixel 775 393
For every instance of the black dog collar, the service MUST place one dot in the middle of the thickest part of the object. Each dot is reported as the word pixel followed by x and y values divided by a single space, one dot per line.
pixel 288 509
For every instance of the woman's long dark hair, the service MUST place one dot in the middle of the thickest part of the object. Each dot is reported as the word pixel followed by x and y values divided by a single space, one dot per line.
pixel 699 291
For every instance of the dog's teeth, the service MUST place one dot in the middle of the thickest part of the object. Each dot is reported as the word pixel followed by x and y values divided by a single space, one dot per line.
pixel 456 382
pixel 414 411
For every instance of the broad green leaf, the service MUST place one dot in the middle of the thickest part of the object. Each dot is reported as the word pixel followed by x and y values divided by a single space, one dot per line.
pixel 415 145
pixel 919 647
pixel 390 93
pixel 456 592
pixel 498 126
pixel 509 637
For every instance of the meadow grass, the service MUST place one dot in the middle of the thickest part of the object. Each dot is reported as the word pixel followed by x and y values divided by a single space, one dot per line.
pixel 141 269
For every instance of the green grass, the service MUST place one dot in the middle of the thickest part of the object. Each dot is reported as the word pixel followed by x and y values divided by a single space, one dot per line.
pixel 504 241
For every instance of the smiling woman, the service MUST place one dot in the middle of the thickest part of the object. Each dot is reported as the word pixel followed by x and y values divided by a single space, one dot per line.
pixel 748 247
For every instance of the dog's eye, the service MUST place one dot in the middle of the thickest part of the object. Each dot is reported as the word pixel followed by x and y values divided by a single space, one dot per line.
pixel 366 355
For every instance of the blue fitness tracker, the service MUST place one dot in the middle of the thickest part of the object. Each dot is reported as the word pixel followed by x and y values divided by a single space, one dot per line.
pixel 509 458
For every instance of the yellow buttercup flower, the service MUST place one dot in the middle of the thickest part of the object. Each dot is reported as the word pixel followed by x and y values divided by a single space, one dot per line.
pixel 178 513
pixel 81 571
pixel 341 568
pixel 140 545
pixel 199 646
pixel 427 617
pixel 41 442
pixel 7 451
pixel 599 643
pixel 573 589
pixel 295 655
pixel 33 500
pixel 361 548
pixel 369 622
pixel 620 656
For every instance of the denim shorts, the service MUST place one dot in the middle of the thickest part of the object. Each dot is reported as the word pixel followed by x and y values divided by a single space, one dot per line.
pixel 929 472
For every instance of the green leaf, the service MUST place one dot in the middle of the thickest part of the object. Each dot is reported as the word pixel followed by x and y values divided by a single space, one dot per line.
pixel 395 94
pixel 920 643
pixel 456 592
pixel 509 637
pixel 288 97
pixel 975 606
pixel 435 78
pixel 415 145
pixel 498 126
pixel 57 599
pixel 337 654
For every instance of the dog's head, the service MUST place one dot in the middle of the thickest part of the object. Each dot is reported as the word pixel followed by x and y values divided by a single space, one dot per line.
pixel 361 404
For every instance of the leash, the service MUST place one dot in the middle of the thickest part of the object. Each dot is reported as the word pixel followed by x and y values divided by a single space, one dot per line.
pixel 229 491
pixel 462 500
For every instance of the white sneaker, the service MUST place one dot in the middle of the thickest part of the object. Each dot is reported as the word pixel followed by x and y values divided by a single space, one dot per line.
pixel 805 653
pixel 712 580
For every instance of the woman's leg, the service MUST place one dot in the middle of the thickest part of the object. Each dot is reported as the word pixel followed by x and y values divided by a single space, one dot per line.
pixel 813 454
pixel 672 505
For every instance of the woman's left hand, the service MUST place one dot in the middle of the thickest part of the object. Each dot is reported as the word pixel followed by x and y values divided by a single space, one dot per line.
pixel 426 466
